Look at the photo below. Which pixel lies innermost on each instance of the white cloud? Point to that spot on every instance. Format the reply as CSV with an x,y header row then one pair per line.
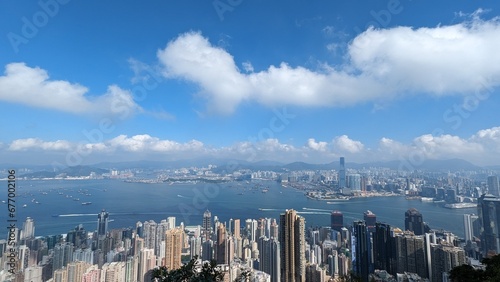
x,y
38,144
317,146
33,87
482,148
441,60
192,57
147,143
383,65
345,144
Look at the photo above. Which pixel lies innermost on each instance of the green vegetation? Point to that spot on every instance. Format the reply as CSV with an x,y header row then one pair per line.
x,y
466,273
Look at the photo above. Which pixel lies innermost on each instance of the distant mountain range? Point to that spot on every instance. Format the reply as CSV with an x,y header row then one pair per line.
x,y
230,165
74,171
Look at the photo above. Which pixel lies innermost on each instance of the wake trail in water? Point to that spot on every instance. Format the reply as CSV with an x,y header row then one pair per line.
x,y
313,212
311,209
77,214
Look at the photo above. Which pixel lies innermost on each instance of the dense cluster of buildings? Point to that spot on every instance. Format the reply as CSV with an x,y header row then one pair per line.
x,y
271,250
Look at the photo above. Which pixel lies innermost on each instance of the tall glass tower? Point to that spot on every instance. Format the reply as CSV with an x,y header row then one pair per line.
x,y
342,180
102,223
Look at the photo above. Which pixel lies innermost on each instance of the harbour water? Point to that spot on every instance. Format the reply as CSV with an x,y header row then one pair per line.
x,y
56,205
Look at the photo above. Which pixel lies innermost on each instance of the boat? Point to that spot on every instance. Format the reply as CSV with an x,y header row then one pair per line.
x,y
426,199
25,205
86,203
461,205
265,190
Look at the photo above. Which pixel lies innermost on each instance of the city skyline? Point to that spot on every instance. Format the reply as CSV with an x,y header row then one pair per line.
x,y
306,82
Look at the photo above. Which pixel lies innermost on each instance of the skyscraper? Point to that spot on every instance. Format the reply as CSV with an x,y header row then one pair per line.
x,y
63,254
102,224
236,232
28,229
173,248
355,182
410,254
444,259
342,180
384,249
221,248
493,185
337,220
361,250
470,221
292,243
488,208
269,257
370,220
414,221
207,224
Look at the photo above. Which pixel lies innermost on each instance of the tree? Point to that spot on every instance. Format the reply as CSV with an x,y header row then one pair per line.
x,y
209,272
466,273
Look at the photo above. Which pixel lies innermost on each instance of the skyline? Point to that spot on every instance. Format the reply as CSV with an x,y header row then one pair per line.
x,y
252,80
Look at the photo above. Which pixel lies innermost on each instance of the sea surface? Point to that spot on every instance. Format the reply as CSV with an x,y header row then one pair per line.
x,y
59,208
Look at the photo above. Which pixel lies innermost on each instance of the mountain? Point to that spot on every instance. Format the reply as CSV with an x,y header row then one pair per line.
x,y
231,165
74,171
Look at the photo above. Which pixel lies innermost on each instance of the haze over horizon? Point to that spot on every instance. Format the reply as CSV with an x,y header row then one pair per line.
x,y
82,83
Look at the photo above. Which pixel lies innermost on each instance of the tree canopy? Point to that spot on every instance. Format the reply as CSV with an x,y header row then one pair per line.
x,y
466,273
209,272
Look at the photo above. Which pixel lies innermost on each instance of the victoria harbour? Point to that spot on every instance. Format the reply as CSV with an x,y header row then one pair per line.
x,y
58,206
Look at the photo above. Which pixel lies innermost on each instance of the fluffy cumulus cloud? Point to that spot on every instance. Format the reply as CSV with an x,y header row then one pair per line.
x,y
147,143
320,146
32,86
383,64
345,144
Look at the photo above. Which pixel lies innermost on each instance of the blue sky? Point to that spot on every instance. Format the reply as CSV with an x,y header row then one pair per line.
x,y
84,82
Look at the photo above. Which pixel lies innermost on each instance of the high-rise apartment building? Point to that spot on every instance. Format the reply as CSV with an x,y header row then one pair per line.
x,y
354,182
28,231
444,259
488,208
471,226
173,248
236,228
384,248
370,220
63,254
361,250
410,254
337,220
221,245
414,221
207,224
269,257
292,243
493,185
